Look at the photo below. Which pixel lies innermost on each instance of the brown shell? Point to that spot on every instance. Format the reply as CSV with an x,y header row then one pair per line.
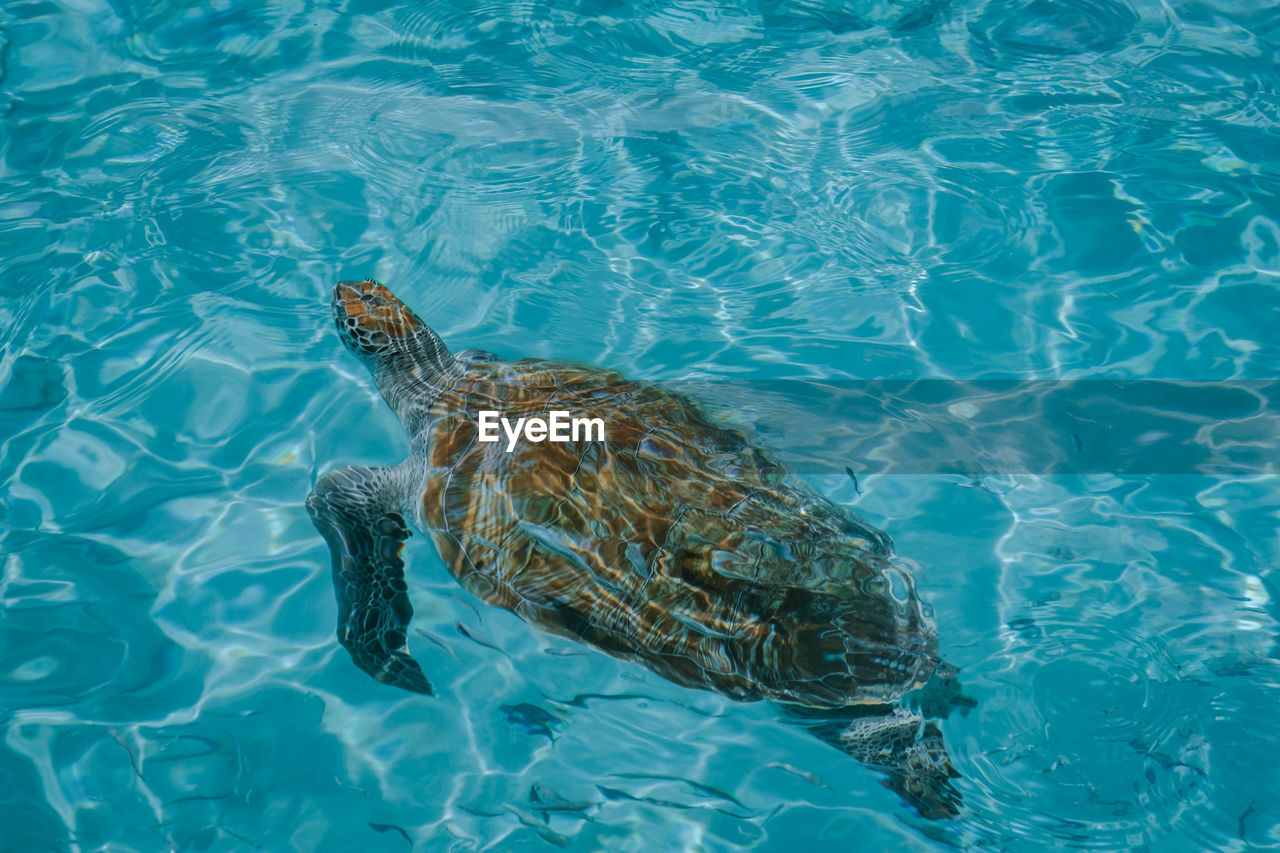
x,y
674,543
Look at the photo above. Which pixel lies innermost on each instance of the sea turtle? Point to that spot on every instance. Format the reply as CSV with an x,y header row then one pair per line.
x,y
673,542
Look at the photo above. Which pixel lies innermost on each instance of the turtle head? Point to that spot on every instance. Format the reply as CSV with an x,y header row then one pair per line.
x,y
408,361
372,322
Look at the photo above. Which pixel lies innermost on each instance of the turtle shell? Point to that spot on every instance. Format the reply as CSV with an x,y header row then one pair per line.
x,y
674,542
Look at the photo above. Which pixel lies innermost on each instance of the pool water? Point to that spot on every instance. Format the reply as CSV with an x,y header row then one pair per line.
x,y
729,195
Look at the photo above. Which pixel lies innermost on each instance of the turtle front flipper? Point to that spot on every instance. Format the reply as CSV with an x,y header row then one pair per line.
x,y
908,749
366,534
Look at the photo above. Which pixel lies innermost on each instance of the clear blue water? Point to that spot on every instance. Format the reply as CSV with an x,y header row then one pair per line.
x,y
1013,189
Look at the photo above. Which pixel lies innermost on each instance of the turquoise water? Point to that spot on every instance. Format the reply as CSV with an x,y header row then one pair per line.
x,y
1029,190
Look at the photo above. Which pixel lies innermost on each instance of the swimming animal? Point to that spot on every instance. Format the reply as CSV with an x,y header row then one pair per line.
x,y
672,542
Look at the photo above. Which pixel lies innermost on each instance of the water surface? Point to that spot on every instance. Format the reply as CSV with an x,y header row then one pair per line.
x,y
842,193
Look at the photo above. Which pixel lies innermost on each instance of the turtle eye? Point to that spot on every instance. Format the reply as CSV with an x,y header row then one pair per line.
x,y
364,342
360,340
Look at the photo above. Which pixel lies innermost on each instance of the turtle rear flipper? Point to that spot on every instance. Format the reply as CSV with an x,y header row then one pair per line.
x,y
366,534
909,750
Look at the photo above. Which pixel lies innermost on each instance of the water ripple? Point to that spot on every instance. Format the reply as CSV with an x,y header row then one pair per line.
x,y
793,189
1094,716
1044,30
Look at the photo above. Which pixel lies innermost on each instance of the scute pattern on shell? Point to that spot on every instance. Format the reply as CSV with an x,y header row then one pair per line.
x,y
674,542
